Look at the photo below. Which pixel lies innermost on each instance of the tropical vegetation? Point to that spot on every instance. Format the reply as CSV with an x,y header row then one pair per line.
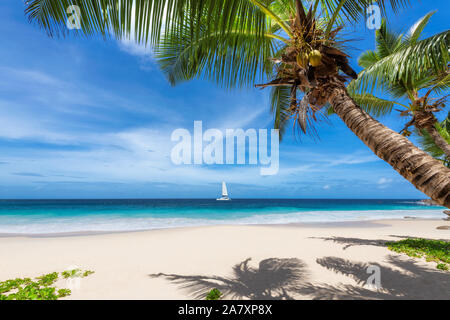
x,y
40,288
433,250
429,145
214,294
424,88
239,42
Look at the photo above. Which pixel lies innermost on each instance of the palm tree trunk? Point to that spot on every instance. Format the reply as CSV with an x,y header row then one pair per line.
x,y
426,173
439,140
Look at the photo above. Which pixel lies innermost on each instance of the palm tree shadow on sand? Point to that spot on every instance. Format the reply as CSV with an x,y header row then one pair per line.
x,y
273,279
403,279
286,279
352,242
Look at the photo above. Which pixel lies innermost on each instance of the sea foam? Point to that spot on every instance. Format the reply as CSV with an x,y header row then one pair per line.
x,y
38,224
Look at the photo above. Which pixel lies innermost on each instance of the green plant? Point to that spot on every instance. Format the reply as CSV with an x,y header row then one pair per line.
x,y
424,88
71,273
442,266
214,294
88,273
432,250
429,145
64,293
27,289
41,288
48,280
76,273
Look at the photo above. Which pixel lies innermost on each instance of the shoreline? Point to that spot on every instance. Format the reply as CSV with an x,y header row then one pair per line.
x,y
329,224
80,217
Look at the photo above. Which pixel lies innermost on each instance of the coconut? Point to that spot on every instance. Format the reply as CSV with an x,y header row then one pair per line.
x,y
302,60
315,58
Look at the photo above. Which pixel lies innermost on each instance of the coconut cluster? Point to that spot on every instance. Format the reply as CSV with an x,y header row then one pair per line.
x,y
311,63
314,58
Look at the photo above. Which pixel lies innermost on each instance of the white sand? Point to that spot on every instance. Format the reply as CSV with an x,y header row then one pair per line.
x,y
289,261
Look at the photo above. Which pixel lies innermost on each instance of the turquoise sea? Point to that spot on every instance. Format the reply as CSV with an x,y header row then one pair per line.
x,y
60,216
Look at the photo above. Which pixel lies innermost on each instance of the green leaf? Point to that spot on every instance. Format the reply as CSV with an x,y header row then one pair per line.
x,y
373,105
408,64
279,105
233,59
416,30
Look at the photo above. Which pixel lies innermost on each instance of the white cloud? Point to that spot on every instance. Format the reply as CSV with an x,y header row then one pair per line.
x,y
327,187
30,76
355,158
142,52
384,183
132,47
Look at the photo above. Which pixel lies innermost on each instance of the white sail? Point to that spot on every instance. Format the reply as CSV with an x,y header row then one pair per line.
x,y
224,193
224,190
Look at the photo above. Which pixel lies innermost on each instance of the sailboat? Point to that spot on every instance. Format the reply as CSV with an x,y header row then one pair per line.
x,y
224,193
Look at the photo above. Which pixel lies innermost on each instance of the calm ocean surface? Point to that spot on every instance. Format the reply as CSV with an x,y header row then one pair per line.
x,y
58,216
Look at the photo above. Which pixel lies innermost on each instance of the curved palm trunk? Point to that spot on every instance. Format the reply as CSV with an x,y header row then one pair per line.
x,y
439,140
426,173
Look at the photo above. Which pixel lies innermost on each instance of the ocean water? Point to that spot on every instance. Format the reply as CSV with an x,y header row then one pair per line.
x,y
61,216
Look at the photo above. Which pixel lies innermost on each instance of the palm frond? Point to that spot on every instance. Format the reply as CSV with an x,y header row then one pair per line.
x,y
388,42
437,85
416,30
373,105
355,10
144,19
280,99
368,59
428,145
147,19
408,64
232,59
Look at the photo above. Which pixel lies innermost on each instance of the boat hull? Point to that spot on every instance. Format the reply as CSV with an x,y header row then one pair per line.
x,y
224,199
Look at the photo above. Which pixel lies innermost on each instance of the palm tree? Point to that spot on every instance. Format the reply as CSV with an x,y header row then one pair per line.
x,y
421,108
429,145
237,42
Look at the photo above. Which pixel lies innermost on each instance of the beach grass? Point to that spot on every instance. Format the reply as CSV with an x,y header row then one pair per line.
x,y
40,288
432,250
214,294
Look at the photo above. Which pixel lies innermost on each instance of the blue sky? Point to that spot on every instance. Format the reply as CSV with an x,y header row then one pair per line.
x,y
93,119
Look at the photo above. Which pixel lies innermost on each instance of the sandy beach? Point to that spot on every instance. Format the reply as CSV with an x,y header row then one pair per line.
x,y
316,261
